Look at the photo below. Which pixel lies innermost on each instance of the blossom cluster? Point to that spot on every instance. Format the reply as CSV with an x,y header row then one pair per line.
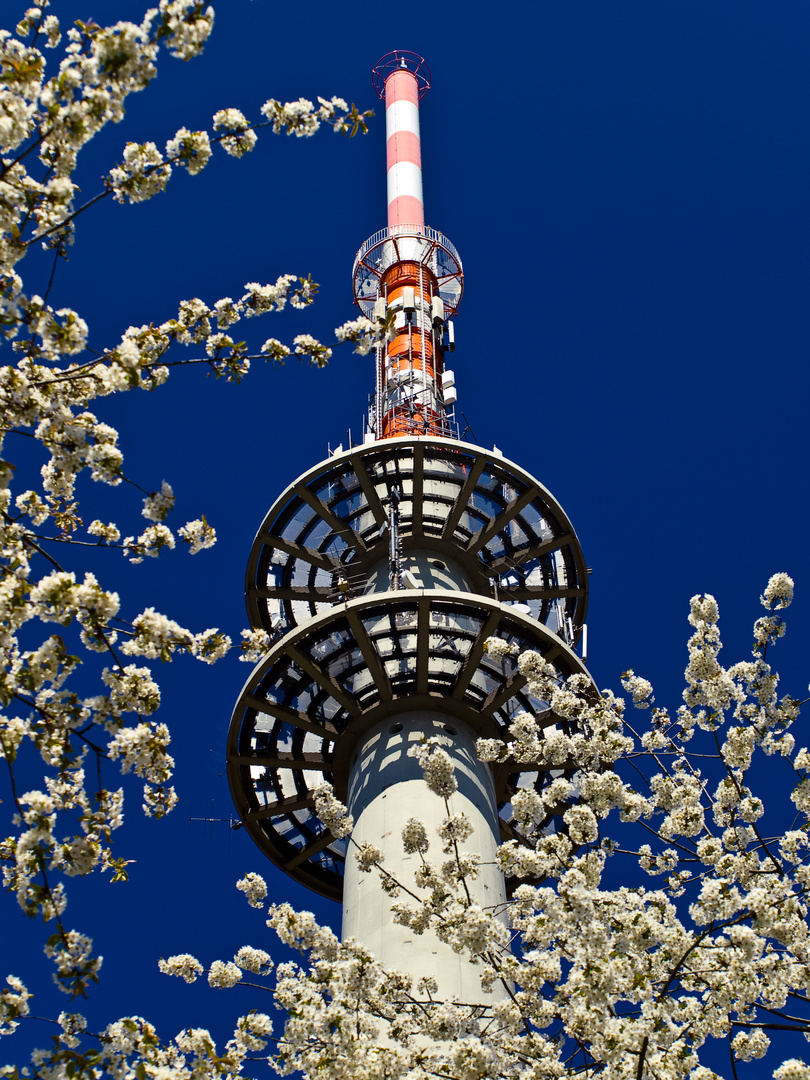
x,y
366,334
615,981
302,119
78,687
331,811
146,172
609,980
436,765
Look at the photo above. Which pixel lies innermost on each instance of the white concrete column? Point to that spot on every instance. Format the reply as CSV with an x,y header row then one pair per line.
x,y
386,788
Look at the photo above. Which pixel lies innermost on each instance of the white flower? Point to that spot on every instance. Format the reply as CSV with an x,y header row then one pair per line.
x,y
189,26
254,887
198,534
142,175
72,953
13,1004
109,533
454,829
499,649
582,824
704,609
143,749
255,644
750,1044
260,299
63,332
157,505
132,690
72,1025
154,539
276,350
224,974
436,766
156,637
414,836
363,331
792,1069
640,689
210,646
189,148
331,811
50,26
184,965
368,856
255,960
778,592
30,503
768,629
240,138
298,117
227,313
527,807
307,345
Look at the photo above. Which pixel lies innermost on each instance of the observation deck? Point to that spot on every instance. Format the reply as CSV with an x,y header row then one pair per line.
x,y
469,518
310,702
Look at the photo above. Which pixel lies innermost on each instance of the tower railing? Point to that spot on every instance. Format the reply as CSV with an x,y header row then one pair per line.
x,y
407,243
408,230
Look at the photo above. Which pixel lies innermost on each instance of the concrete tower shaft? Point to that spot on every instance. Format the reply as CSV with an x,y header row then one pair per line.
x,y
386,791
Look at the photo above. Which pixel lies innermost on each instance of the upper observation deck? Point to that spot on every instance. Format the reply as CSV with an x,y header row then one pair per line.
x,y
465,514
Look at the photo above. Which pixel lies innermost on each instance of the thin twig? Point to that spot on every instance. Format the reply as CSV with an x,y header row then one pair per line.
x,y
642,1054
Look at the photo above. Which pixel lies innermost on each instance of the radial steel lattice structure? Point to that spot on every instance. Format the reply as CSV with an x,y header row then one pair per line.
x,y
379,575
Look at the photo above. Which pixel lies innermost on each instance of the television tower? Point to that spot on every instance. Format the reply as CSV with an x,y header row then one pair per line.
x,y
379,574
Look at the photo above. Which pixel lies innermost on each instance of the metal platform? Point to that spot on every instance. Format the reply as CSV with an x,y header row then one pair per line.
x,y
403,244
304,708
323,538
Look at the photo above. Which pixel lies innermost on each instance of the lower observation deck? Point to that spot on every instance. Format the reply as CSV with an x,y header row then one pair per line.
x,y
318,692
325,538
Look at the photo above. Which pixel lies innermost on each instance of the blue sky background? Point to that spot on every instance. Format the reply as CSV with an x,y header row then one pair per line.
x,y
626,183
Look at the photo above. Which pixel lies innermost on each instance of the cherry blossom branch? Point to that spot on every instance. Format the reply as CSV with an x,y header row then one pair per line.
x,y
751,824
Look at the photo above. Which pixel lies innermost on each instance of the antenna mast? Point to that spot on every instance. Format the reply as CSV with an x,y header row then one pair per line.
x,y
408,275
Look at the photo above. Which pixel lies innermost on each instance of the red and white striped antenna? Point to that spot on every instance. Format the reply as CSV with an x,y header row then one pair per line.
x,y
408,275
402,79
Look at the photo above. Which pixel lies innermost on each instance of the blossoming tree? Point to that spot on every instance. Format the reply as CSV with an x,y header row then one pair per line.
x,y
83,724
665,920
588,975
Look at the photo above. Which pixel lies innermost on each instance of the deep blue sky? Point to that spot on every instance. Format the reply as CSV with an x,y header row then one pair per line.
x,y
627,185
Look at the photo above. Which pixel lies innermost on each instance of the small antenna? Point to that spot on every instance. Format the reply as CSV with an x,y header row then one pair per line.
x,y
468,428
232,822
395,541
